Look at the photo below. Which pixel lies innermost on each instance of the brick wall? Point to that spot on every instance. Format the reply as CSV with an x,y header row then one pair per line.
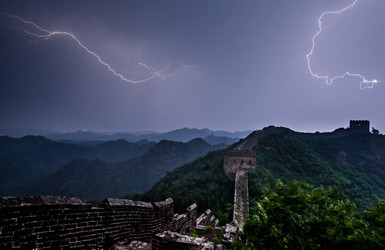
x,y
62,222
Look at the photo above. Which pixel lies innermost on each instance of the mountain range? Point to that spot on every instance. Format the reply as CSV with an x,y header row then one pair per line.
x,y
37,165
353,162
24,160
183,135
97,179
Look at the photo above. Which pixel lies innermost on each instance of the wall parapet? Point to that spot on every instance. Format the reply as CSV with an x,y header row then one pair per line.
x,y
172,240
240,153
67,222
49,200
113,202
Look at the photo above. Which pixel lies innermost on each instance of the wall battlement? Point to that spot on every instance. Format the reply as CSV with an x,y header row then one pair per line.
x,y
63,222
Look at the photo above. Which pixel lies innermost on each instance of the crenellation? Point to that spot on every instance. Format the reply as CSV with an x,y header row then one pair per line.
x,y
36,222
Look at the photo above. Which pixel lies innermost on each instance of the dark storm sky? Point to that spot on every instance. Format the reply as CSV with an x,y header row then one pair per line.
x,y
247,65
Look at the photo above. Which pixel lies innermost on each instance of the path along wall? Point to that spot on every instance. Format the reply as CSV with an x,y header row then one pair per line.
x,y
62,222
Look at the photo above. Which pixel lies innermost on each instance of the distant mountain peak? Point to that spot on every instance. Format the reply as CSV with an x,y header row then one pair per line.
x,y
197,141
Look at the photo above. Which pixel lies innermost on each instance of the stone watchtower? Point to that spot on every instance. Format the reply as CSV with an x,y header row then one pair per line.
x,y
235,160
359,126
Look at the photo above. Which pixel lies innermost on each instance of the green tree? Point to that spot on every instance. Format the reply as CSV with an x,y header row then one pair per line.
x,y
376,219
295,216
375,131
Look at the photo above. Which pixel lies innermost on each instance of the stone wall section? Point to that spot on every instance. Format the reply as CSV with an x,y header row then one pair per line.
x,y
62,222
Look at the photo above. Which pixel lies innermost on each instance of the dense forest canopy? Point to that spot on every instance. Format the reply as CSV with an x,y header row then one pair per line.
x,y
352,162
296,216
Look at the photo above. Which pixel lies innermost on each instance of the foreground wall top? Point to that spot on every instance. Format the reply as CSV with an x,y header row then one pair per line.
x,y
12,201
49,200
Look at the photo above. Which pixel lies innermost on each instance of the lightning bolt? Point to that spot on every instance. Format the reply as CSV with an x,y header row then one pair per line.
x,y
365,83
46,35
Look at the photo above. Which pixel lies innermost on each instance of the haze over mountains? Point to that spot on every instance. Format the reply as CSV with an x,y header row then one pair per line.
x,y
31,157
83,164
183,135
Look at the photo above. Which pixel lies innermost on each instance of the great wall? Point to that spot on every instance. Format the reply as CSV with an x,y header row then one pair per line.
x,y
237,162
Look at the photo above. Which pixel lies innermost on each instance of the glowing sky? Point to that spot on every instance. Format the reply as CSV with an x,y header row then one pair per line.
x,y
246,60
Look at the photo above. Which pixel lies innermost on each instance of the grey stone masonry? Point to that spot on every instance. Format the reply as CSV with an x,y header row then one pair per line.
x,y
183,223
231,232
13,201
241,207
64,222
206,219
133,245
175,241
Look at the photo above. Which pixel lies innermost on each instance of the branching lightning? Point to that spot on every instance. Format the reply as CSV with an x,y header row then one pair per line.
x,y
365,83
46,34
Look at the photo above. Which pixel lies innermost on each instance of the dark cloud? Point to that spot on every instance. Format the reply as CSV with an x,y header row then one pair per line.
x,y
248,66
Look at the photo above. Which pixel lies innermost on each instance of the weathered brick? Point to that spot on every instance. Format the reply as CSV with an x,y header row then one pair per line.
x,y
56,224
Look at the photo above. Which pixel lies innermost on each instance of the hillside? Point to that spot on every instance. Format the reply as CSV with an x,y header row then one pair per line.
x,y
353,162
31,157
26,159
98,179
120,150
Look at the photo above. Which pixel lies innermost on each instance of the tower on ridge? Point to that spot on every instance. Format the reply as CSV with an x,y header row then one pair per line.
x,y
359,126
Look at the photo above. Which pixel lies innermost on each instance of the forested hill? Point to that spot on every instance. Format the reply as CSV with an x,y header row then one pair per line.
x,y
353,162
98,179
